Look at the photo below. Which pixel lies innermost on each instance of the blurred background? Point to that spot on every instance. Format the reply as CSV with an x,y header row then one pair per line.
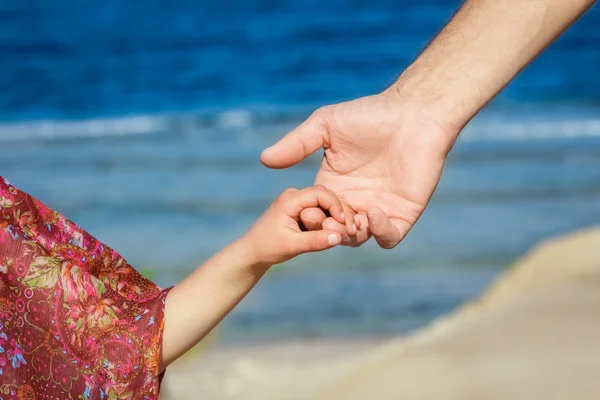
x,y
143,122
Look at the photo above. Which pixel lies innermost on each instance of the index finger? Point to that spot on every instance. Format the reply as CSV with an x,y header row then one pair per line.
x,y
317,196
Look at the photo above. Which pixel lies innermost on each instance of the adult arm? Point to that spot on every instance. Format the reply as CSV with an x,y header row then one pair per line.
x,y
485,45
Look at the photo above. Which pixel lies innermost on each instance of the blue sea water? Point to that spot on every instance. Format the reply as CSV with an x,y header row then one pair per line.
x,y
143,121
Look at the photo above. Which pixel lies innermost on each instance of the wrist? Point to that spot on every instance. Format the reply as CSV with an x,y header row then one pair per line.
x,y
433,100
421,116
251,259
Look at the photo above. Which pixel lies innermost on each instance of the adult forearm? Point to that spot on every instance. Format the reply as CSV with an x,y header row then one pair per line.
x,y
481,49
195,306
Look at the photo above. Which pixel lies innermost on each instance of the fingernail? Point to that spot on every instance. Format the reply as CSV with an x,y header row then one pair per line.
x,y
333,239
343,216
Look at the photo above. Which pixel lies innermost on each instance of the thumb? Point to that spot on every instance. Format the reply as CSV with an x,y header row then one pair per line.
x,y
298,144
309,242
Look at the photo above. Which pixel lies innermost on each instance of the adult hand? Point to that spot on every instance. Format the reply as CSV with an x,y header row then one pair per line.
x,y
384,153
382,156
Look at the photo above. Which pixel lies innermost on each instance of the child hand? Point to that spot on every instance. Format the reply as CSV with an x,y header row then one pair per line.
x,y
277,236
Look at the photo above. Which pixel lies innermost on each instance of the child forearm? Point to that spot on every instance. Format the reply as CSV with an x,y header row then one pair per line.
x,y
195,306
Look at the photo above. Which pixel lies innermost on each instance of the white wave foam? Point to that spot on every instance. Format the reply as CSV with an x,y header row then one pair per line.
x,y
235,119
532,130
124,126
96,127
480,130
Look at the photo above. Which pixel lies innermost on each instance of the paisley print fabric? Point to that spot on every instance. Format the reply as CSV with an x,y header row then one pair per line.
x,y
76,320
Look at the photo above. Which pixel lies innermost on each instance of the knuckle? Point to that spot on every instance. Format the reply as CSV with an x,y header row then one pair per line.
x,y
287,193
323,114
320,113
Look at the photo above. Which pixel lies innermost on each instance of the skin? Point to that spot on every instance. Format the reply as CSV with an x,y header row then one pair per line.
x,y
223,281
383,157
384,154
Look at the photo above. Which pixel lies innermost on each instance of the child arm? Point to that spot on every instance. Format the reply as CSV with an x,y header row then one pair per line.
x,y
195,306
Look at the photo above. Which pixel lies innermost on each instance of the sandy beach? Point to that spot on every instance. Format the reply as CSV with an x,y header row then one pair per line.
x,y
534,334
229,372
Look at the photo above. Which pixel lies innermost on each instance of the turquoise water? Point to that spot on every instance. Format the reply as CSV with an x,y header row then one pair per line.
x,y
146,128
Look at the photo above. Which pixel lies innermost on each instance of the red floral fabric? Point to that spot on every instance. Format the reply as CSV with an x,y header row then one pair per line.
x,y
76,320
